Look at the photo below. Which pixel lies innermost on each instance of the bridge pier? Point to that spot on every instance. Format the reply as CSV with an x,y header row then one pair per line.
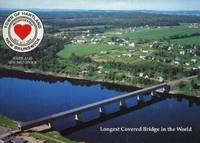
x,y
152,93
166,89
50,125
122,103
102,110
77,117
140,98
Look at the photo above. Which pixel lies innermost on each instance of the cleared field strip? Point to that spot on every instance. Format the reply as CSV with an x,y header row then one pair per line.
x,y
187,41
85,49
158,33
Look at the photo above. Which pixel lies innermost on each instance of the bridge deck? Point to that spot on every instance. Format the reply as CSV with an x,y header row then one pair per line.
x,y
48,119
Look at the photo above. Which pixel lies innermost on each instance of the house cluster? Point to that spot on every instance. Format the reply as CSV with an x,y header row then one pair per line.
x,y
88,38
153,44
99,69
121,42
183,51
142,57
126,55
194,25
191,63
129,29
146,76
188,51
132,29
62,35
145,51
116,33
142,75
119,56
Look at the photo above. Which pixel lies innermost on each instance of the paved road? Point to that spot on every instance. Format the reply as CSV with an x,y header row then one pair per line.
x,y
3,130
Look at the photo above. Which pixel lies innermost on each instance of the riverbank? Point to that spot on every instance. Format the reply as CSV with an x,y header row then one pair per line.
x,y
53,77
49,137
6,125
9,125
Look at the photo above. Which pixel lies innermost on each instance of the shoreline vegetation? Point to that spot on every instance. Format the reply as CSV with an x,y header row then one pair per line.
x,y
188,86
7,125
5,122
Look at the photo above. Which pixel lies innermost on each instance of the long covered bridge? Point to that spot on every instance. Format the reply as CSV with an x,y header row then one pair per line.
x,y
165,88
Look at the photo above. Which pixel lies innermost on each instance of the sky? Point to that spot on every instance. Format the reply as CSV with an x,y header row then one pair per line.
x,y
160,5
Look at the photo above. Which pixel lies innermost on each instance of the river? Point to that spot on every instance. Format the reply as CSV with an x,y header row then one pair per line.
x,y
25,97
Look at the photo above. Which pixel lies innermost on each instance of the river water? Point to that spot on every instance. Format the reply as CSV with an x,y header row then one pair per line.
x,y
27,97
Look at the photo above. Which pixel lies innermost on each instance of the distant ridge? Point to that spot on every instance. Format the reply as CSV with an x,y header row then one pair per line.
x,y
184,12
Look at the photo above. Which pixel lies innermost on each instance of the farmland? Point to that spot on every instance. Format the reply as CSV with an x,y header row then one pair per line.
x,y
190,87
155,33
84,50
130,49
187,41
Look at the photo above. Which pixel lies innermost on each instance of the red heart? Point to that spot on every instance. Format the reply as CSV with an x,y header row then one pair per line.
x,y
22,31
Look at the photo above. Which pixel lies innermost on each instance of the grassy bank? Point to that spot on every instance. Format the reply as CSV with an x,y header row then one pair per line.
x,y
50,137
7,123
190,87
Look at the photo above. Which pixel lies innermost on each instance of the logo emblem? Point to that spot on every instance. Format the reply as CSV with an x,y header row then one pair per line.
x,y
23,31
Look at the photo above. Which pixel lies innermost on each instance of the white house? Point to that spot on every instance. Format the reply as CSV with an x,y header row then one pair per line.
x,y
141,74
100,67
194,60
169,48
182,52
145,51
187,64
103,52
132,44
111,43
99,72
142,57
81,41
161,79
177,62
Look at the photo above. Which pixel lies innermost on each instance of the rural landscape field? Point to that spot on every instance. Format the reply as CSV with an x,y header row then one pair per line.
x,y
129,48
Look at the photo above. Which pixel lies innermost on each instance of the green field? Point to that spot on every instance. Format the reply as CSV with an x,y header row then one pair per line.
x,y
7,123
83,27
191,88
158,33
187,41
84,50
